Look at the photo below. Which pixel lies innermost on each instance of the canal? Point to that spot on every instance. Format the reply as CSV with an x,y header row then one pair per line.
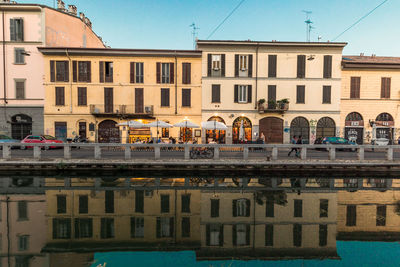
x,y
98,222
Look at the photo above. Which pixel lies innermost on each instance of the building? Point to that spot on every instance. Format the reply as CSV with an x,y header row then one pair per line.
x,y
278,89
90,91
370,98
24,28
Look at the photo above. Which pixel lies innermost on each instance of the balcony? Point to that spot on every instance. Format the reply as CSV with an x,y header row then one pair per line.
x,y
273,107
122,111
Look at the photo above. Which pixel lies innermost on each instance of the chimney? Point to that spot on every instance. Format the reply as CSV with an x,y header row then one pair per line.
x,y
88,22
373,55
361,54
82,16
60,5
72,10
4,1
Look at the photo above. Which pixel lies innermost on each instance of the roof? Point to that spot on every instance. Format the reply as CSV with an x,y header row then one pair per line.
x,y
271,43
371,62
75,51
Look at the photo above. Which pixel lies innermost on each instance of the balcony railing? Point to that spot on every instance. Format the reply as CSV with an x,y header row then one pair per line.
x,y
118,110
273,107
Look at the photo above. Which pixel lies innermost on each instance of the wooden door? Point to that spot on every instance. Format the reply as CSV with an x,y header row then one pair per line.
x,y
139,100
272,128
108,132
108,100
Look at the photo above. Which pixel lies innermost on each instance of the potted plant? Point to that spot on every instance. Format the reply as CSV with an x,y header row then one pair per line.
x,y
261,104
283,103
271,104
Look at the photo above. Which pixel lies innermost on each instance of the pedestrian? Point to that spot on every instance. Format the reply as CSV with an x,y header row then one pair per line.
x,y
398,140
299,142
293,141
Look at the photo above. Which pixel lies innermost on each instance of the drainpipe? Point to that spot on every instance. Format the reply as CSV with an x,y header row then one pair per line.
x,y
256,100
176,85
70,80
4,69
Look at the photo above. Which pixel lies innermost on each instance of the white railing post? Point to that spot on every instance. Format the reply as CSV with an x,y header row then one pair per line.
x,y
216,152
246,153
36,152
303,153
67,152
274,153
361,153
97,151
127,152
332,153
187,152
157,152
389,153
6,152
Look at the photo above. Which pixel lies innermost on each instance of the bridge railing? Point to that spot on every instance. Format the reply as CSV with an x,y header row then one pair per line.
x,y
194,151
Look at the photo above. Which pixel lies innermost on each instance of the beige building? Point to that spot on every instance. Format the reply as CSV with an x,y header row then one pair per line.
x,y
370,98
90,91
278,89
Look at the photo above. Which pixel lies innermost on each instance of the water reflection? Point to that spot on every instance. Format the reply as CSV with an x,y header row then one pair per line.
x,y
46,222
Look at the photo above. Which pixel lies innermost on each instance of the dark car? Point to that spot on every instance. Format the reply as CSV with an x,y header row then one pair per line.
x,y
6,139
339,141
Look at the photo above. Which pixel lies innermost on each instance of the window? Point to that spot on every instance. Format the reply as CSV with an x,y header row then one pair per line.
x,y
269,207
242,63
326,94
242,93
23,242
186,73
298,208
165,72
59,71
297,235
20,89
301,66
164,132
139,201
185,203
83,228
164,203
109,201
61,204
216,62
107,228
216,93
22,261
61,228
355,87
106,70
165,97
83,204
139,72
214,234
214,208
300,98
17,30
327,66
22,210
385,87
351,215
186,97
381,215
323,208
81,71
19,56
241,207
269,235
241,234
82,96
165,227
272,66
271,96
60,97
216,65
185,227
137,227
323,235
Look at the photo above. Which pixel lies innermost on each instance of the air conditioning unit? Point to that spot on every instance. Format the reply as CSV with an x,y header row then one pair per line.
x,y
148,109
243,69
216,69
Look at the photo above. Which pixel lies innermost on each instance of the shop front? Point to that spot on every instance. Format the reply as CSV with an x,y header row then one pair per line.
x,y
354,128
245,123
217,135
385,127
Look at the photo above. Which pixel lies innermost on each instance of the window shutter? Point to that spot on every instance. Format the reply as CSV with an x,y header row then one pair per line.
x,y
209,62
221,235
223,65
171,72
158,72
21,37
383,89
89,71
133,226
388,82
13,36
158,227
272,93
301,66
234,208
214,208
132,73
215,94
236,65
74,71
249,91
186,73
66,71
111,72
55,228
52,71
300,94
189,73
208,233
234,235
327,66
247,207
139,201
355,87
171,227
326,94
247,234
272,66
101,71
236,93
250,71
186,98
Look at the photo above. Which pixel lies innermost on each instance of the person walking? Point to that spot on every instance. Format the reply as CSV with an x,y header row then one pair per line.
x,y
293,141
299,142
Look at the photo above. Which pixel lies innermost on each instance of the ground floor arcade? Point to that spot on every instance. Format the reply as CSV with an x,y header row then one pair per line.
x,y
19,121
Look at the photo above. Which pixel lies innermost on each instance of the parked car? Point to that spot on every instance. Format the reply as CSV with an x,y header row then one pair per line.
x,y
6,139
44,139
339,141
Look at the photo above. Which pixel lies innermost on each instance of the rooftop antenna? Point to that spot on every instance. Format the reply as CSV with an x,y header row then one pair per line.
x,y
308,24
194,33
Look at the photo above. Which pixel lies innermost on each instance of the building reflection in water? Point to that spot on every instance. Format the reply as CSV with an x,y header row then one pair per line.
x,y
45,222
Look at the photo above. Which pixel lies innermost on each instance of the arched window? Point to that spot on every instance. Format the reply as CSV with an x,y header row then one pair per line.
x,y
300,126
354,116
247,130
326,127
384,117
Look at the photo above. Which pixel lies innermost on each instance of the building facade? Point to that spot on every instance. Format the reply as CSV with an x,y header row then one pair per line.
x,y
90,91
275,89
370,98
24,28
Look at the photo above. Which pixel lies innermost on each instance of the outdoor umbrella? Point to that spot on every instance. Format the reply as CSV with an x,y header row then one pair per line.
x,y
213,125
132,124
157,124
241,131
186,124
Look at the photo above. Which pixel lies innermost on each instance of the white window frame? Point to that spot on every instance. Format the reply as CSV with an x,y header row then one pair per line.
x,y
241,207
139,226
22,81
214,235
216,62
243,62
165,230
165,73
241,235
23,242
242,94
139,72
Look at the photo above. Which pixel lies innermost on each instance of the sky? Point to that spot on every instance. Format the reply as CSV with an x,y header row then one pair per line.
x,y
164,24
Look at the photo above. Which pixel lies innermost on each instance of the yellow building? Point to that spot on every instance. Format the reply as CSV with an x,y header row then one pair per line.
x,y
370,97
90,91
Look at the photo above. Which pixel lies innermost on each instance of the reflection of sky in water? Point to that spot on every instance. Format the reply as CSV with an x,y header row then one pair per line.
x,y
352,254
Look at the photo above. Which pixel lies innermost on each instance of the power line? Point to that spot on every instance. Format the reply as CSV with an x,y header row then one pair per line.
x,y
363,17
227,17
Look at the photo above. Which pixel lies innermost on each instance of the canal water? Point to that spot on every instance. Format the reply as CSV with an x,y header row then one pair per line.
x,y
110,222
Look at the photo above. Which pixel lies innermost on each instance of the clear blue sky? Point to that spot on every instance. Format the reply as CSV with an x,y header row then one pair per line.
x,y
165,23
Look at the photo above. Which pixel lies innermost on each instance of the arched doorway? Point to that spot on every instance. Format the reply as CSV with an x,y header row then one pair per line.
x,y
272,128
326,127
247,127
300,126
21,126
384,126
218,135
108,132
354,128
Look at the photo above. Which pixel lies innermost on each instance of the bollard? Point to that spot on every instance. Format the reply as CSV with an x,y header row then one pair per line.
x,y
127,152
245,152
274,153
37,152
332,153
97,152
303,153
67,152
157,152
6,152
361,153
389,153
216,152
187,152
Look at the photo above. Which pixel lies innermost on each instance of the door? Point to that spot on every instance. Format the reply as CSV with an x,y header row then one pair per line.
x,y
60,130
272,128
108,132
82,129
108,100
139,100
21,126
355,134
